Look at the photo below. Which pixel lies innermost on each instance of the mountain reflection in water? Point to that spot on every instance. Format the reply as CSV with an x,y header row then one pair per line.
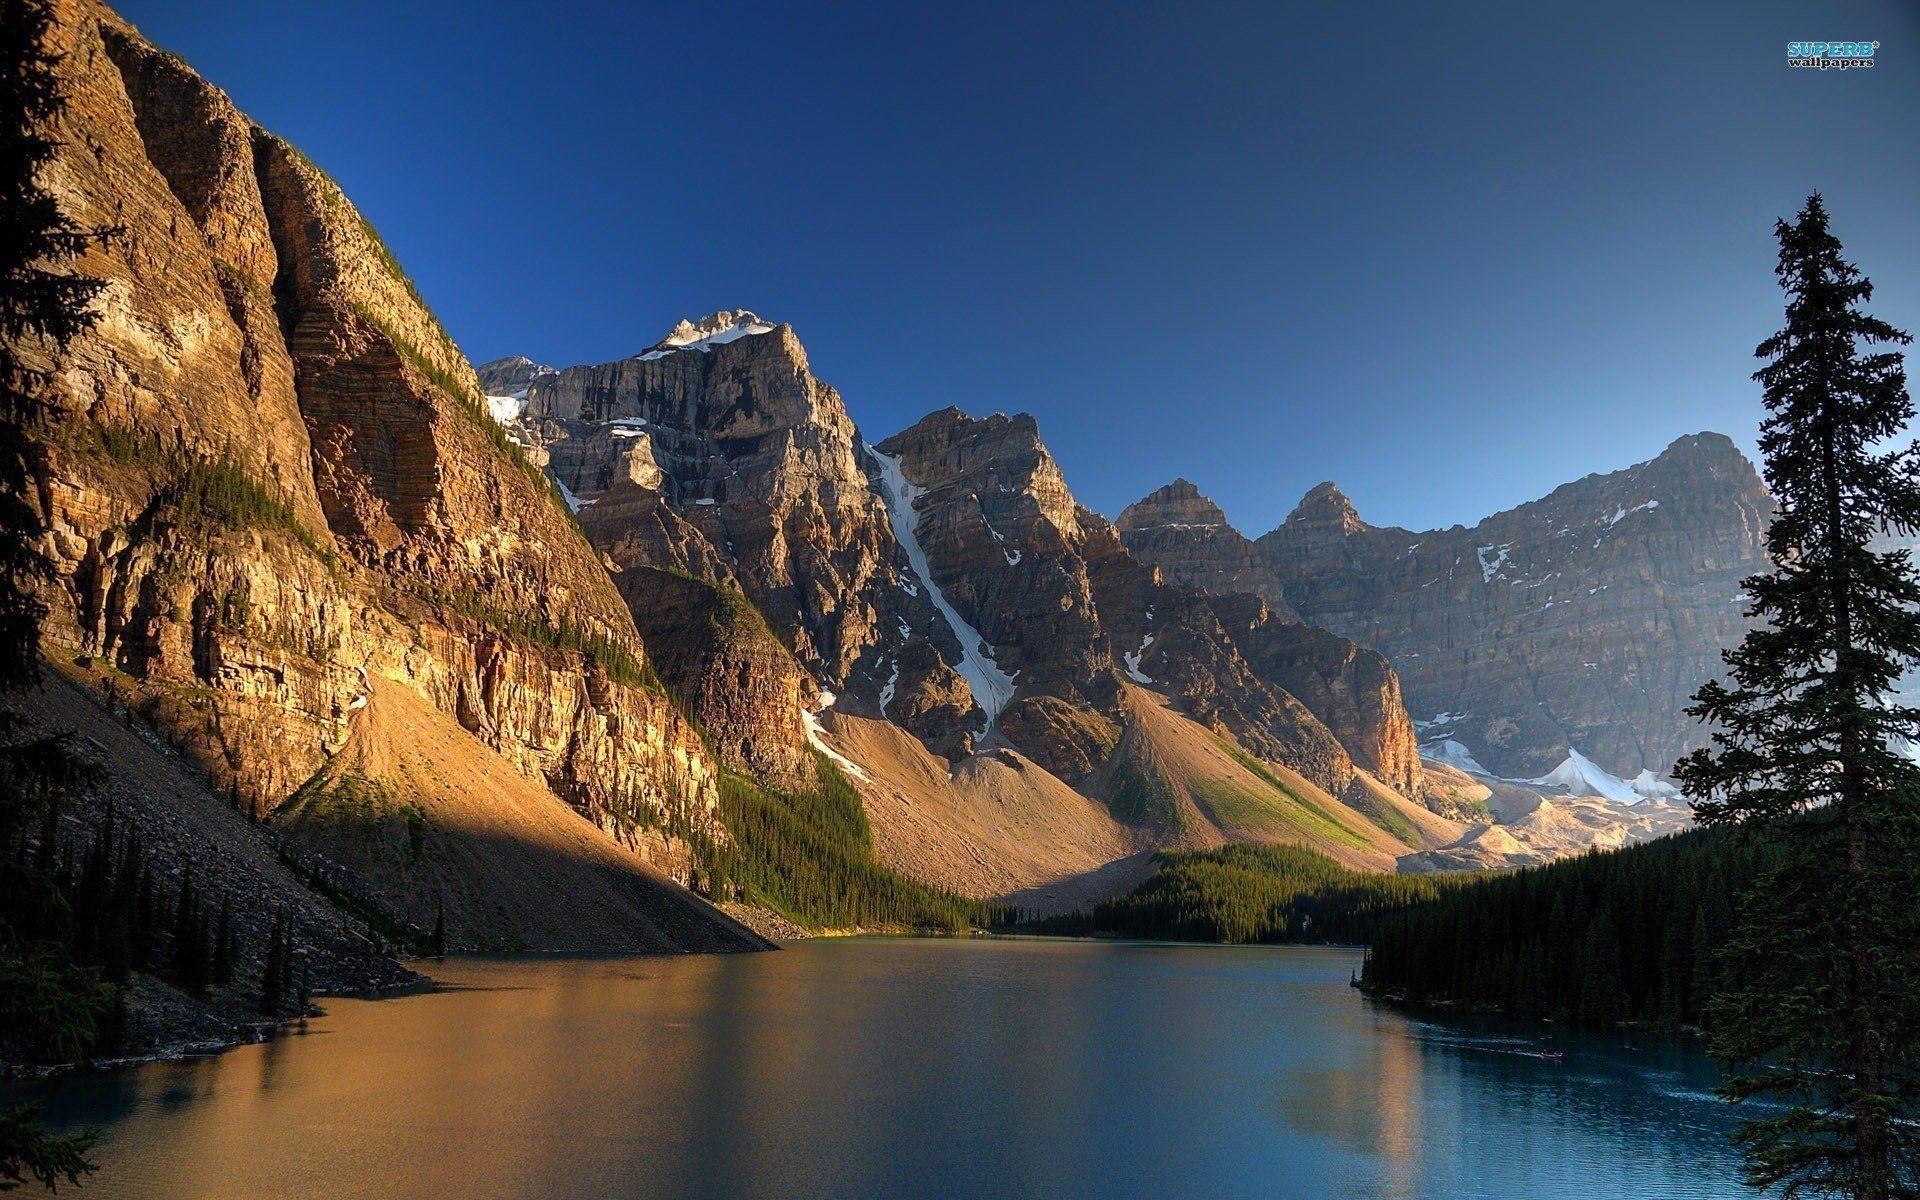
x,y
909,1068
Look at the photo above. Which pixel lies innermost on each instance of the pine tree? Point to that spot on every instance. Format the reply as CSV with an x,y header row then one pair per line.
x,y
273,975
439,947
1817,1011
42,306
223,945
190,958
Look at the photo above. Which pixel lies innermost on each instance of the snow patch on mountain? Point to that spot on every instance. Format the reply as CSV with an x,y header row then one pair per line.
x,y
1653,787
1133,660
1578,774
992,688
507,408
817,738
703,335
1453,754
1622,514
1491,562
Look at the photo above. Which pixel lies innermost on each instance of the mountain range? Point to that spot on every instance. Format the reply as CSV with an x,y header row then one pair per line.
x,y
547,654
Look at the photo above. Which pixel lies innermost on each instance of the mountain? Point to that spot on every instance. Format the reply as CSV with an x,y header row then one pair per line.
x,y
943,583
1571,629
293,545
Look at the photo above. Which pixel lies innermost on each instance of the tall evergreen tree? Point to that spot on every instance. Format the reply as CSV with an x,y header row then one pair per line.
x,y
223,948
1819,1007
41,306
274,979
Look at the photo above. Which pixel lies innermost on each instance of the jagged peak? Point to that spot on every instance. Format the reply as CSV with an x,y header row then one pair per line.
x,y
1326,505
1703,445
952,423
512,367
714,329
509,362
1179,504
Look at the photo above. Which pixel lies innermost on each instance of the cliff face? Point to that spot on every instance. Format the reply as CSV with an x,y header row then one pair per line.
x,y
1582,621
1350,688
274,483
1188,538
944,580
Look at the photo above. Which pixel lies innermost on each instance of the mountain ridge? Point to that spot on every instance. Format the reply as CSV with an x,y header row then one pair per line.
x,y
1678,578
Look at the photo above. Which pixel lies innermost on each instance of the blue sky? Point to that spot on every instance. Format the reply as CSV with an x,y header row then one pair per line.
x,y
1449,255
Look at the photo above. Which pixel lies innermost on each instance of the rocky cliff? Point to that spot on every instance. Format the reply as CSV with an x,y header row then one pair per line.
x,y
1581,622
718,455
277,495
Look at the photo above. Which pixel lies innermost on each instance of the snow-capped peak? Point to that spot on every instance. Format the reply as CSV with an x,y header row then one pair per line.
x,y
715,329
1581,776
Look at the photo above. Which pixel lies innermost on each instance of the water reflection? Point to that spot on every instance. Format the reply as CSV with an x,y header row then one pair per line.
x,y
901,1068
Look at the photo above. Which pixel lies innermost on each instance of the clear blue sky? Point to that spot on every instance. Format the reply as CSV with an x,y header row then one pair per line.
x,y
1449,255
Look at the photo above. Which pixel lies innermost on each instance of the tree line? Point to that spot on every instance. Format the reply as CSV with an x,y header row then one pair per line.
x,y
1611,936
1790,930
1250,893
808,854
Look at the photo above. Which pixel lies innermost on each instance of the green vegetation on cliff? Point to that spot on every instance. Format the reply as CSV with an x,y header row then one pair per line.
x,y
197,492
468,401
621,664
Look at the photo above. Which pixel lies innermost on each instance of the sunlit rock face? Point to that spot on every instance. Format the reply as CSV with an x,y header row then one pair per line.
x,y
1069,612
940,578
352,511
718,455
1583,621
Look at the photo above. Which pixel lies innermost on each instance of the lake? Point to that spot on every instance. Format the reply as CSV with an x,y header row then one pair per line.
x,y
908,1068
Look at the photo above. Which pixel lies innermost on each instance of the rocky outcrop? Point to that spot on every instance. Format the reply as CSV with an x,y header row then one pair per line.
x,y
510,378
1348,687
275,480
1583,621
715,651
1188,538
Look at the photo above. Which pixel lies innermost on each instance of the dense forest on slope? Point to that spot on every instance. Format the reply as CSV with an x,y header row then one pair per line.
x,y
809,856
1621,935
1253,893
